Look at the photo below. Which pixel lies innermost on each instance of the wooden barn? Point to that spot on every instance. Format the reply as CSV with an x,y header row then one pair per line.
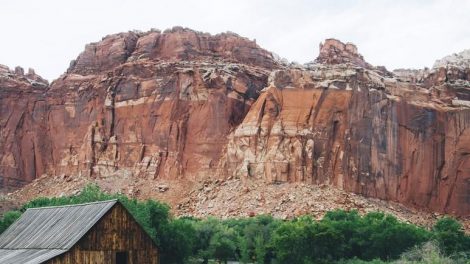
x,y
92,233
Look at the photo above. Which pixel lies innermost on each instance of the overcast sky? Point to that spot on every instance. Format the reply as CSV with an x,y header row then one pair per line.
x,y
47,34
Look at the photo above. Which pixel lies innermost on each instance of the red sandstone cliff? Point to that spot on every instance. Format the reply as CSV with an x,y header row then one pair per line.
x,y
154,105
345,123
186,105
22,127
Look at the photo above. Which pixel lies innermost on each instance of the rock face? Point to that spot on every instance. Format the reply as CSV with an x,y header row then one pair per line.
x,y
185,105
22,127
155,105
343,124
334,51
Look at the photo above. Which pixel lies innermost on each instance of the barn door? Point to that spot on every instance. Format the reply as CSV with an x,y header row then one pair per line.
x,y
122,257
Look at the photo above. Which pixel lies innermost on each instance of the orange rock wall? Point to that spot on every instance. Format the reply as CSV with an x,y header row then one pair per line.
x,y
368,141
23,137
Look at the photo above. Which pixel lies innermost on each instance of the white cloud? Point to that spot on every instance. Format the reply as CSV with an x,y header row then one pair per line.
x,y
47,34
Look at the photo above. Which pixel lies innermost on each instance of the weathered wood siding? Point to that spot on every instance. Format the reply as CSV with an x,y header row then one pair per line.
x,y
117,231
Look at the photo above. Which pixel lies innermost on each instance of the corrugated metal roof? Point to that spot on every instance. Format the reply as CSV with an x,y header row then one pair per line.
x,y
28,256
57,227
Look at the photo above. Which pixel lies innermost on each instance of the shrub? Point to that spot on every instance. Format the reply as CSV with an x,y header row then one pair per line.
x,y
428,253
8,219
340,237
450,236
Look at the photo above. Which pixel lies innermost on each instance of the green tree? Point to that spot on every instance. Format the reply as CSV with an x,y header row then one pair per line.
x,y
152,215
291,241
260,249
222,244
90,193
450,236
245,254
383,236
326,241
205,230
177,241
8,219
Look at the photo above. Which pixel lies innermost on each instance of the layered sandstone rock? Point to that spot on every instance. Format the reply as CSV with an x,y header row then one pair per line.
x,y
362,131
176,44
153,105
184,106
333,51
22,127
167,120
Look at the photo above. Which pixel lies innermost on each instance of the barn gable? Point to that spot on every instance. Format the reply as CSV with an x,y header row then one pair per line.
x,y
84,233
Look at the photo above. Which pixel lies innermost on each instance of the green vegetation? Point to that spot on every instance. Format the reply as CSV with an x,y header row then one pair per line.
x,y
8,219
427,253
340,237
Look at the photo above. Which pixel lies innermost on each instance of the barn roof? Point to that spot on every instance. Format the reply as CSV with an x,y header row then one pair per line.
x,y
43,233
28,256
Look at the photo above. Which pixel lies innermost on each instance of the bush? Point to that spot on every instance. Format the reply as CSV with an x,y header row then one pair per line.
x,y
428,253
292,241
178,239
384,237
450,236
346,235
8,219
340,237
90,193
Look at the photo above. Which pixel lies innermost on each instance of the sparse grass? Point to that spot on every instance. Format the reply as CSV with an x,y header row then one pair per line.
x,y
429,253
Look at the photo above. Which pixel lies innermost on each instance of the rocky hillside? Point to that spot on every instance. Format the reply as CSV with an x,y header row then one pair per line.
x,y
159,114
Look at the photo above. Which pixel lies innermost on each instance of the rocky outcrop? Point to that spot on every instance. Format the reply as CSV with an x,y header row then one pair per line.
x,y
176,44
185,106
333,51
167,120
22,123
459,60
357,129
152,105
